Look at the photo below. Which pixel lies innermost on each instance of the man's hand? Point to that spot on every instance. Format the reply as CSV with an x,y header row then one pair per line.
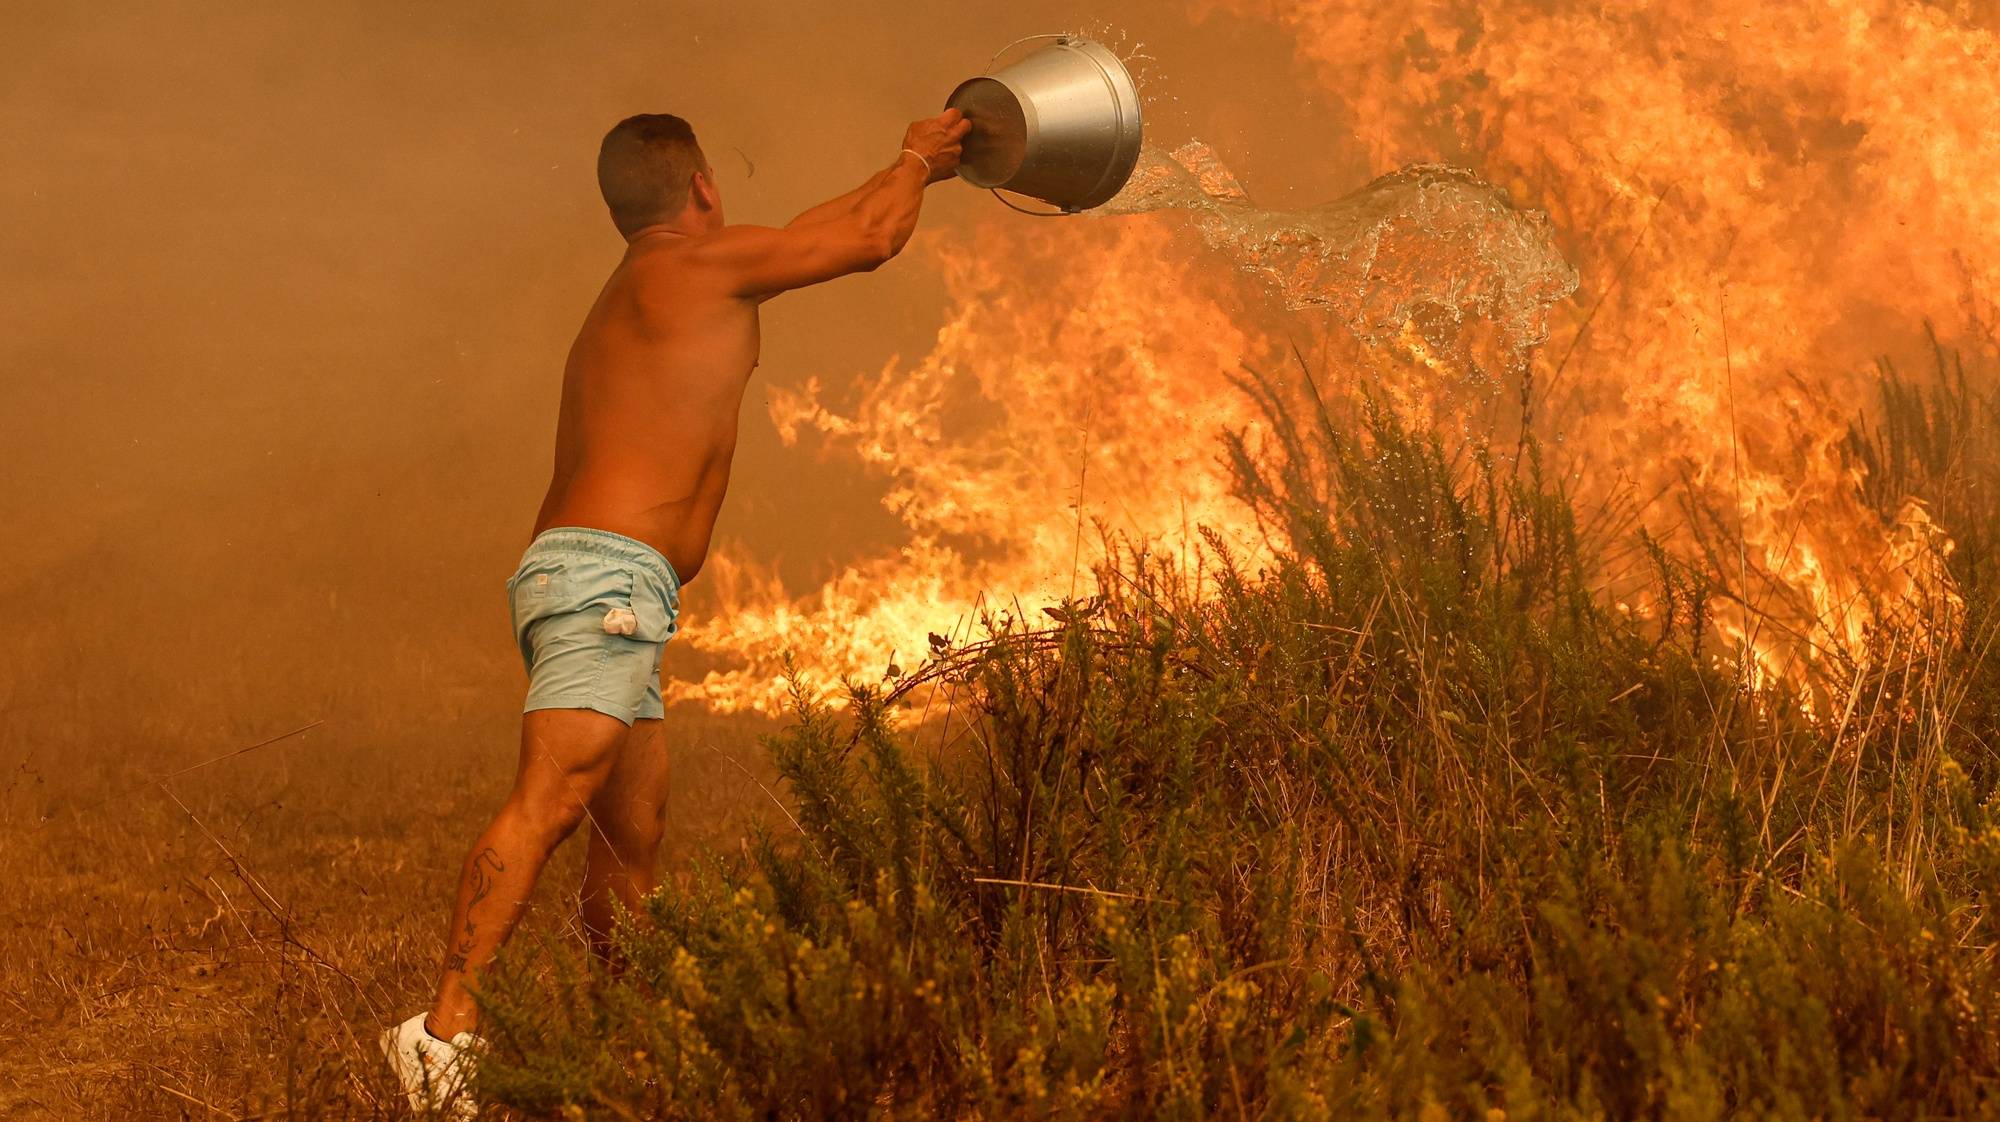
x,y
938,140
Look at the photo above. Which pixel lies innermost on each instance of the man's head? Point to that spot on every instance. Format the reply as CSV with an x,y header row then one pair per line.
x,y
652,172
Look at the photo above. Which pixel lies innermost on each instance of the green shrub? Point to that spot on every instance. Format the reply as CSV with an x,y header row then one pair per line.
x,y
1407,822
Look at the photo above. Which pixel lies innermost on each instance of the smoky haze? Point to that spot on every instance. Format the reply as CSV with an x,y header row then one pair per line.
x,y
289,290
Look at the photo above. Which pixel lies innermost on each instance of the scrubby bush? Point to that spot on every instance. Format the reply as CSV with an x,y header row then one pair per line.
x,y
1405,822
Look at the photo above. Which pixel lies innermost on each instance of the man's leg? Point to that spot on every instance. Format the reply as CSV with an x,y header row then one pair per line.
x,y
628,818
567,755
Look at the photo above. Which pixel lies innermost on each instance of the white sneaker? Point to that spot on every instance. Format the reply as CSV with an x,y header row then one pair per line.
x,y
432,1071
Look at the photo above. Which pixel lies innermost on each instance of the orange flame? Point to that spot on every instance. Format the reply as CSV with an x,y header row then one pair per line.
x,y
1082,365
1759,200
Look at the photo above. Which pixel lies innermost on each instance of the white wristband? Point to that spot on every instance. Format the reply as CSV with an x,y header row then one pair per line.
x,y
921,160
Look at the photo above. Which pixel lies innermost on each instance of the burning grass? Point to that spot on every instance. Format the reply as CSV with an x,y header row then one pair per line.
x,y
1411,821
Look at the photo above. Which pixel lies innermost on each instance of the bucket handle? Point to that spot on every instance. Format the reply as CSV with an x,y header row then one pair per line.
x,y
1021,40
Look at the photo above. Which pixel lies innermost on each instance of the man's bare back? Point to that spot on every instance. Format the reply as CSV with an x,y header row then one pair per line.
x,y
650,401
655,380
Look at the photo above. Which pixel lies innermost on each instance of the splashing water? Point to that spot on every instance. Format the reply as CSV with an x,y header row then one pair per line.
x,y
1430,247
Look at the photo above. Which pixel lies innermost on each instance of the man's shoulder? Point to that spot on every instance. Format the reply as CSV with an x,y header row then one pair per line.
x,y
709,263
664,266
688,259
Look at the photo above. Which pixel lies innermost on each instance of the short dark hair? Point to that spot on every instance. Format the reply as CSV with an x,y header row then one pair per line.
x,y
643,168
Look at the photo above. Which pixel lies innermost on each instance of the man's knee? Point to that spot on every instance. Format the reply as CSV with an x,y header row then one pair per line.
x,y
636,830
552,814
631,823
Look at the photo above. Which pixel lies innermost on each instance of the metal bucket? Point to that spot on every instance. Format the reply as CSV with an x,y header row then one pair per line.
x,y
1061,124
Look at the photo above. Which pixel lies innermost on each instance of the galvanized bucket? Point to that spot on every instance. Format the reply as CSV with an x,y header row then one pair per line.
x,y
1060,124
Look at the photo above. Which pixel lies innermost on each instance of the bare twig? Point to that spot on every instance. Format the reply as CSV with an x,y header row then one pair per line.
x,y
206,1105
269,902
1063,888
161,780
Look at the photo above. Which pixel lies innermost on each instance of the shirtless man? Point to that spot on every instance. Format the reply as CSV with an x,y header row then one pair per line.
x,y
643,445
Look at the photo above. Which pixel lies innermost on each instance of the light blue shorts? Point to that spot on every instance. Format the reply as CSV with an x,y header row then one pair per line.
x,y
592,611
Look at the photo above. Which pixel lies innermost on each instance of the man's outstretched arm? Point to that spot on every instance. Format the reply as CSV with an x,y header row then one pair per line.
x,y
842,205
853,233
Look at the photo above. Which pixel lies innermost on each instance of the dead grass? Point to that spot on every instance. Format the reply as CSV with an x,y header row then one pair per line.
x,y
226,946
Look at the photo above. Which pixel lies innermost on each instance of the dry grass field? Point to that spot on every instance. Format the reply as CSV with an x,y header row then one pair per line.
x,y
222,946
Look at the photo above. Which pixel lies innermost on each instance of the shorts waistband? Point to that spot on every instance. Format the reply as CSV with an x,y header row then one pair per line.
x,y
604,543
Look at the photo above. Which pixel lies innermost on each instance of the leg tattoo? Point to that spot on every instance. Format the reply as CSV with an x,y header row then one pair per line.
x,y
483,867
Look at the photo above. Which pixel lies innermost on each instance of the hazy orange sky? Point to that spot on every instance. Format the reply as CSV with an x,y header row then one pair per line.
x,y
290,287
